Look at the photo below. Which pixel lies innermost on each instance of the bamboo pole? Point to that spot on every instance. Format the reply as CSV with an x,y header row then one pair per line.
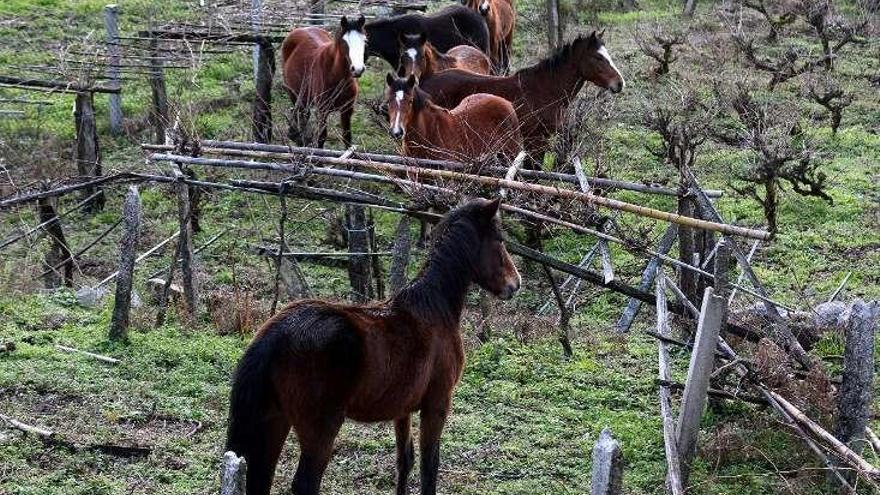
x,y
585,198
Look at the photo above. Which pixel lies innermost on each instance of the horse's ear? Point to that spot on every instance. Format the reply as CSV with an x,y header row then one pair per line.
x,y
344,23
601,33
360,22
491,208
411,81
389,79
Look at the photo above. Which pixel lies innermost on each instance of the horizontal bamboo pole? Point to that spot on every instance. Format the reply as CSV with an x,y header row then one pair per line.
x,y
496,182
236,148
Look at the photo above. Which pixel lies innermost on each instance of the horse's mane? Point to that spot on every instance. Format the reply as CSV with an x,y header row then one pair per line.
x,y
561,55
454,249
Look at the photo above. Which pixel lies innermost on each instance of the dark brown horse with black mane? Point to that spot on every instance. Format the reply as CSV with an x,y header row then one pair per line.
x,y
316,363
541,93
455,25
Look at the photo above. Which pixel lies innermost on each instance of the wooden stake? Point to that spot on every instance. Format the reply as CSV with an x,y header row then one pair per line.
x,y
187,267
131,215
262,118
670,443
159,113
633,305
111,23
400,259
88,156
59,253
607,476
233,473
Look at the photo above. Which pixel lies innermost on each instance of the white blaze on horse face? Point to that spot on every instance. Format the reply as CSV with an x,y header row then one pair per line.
x,y
411,53
604,52
484,6
395,128
357,44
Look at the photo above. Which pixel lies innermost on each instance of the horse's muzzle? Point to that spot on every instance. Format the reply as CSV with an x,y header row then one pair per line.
x,y
357,72
396,133
616,87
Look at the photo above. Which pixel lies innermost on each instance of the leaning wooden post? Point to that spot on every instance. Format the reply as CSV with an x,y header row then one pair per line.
x,y
633,305
88,156
233,473
131,217
185,242
670,443
696,389
607,466
59,254
857,389
262,118
159,112
687,280
111,23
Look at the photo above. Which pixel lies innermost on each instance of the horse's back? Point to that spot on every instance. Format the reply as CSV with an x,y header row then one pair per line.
x,y
457,25
470,59
299,41
450,87
490,122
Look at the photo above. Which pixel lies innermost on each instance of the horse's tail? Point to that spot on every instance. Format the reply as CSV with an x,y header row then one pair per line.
x,y
257,428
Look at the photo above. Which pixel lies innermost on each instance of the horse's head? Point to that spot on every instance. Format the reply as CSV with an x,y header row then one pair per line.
x,y
399,96
494,269
483,8
352,35
595,64
412,54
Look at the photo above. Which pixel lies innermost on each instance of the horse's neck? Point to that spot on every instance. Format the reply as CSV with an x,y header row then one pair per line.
x,y
430,119
436,60
437,294
550,86
332,59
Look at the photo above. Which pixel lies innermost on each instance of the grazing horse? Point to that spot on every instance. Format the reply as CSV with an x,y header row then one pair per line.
x,y
540,93
501,20
316,363
480,125
419,57
455,25
320,73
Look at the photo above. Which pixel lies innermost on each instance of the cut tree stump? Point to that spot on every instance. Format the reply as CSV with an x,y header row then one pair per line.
x,y
607,466
233,474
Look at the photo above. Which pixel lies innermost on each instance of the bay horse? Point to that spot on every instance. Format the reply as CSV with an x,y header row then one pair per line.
x,y
320,72
455,25
316,363
482,124
541,93
419,57
501,20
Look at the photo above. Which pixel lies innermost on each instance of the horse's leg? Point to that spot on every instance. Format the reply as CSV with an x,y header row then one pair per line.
x,y
321,130
405,452
316,447
432,420
262,455
345,122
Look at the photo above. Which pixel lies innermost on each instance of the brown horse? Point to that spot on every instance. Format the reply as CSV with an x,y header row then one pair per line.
x,y
418,56
316,363
319,73
481,125
541,93
501,20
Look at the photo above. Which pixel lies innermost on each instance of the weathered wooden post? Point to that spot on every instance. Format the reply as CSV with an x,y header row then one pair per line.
x,y
400,258
375,260
111,23
670,443
233,473
262,117
59,254
607,466
186,247
857,389
256,26
88,155
697,386
159,112
554,28
633,305
687,280
131,215
359,247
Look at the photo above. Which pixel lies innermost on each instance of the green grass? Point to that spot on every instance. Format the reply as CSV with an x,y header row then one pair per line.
x,y
524,419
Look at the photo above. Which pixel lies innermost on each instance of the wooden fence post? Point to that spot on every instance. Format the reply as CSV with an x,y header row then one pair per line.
x,y
131,215
696,389
633,305
857,388
111,23
400,258
256,25
607,466
88,155
59,254
233,473
262,118
687,280
186,245
554,29
359,245
159,113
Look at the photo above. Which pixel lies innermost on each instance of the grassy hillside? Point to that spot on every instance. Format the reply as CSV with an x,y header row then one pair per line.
x,y
524,419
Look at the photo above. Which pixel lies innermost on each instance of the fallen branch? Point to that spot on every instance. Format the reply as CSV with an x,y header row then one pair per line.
x,y
99,357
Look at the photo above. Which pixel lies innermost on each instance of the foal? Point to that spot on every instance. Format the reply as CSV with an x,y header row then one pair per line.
x,y
419,57
501,20
541,93
320,72
482,124
316,363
